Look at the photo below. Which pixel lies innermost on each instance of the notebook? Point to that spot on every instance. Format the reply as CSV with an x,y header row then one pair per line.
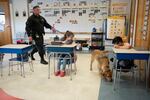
x,y
56,43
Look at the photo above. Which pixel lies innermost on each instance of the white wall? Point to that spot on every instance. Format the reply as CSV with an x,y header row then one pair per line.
x,y
123,1
18,23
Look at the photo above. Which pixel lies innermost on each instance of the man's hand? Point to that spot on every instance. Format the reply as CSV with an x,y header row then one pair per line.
x,y
30,38
53,30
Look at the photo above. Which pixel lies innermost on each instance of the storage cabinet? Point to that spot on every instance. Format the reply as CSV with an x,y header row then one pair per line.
x,y
97,41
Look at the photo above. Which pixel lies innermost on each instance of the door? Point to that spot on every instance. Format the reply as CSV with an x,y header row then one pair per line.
x,y
5,25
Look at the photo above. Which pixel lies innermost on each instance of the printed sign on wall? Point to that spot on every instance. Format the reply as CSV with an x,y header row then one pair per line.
x,y
119,8
115,27
74,15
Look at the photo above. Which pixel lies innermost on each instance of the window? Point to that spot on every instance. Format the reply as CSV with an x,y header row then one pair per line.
x,y
2,20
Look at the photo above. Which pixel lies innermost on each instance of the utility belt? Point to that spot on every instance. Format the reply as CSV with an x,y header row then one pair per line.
x,y
36,35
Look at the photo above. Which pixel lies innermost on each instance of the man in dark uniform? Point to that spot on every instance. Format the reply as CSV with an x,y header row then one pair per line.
x,y
35,30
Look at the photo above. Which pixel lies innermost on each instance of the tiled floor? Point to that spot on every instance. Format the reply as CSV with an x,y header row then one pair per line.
x,y
127,90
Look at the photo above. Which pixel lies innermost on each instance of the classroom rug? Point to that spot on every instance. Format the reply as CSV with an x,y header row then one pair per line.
x,y
5,96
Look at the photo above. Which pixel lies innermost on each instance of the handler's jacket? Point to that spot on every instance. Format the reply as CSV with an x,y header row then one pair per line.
x,y
35,26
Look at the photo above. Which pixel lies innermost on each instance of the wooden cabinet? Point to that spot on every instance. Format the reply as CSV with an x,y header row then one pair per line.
x,y
5,36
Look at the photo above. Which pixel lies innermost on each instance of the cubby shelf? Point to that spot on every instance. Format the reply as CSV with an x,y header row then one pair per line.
x,y
97,41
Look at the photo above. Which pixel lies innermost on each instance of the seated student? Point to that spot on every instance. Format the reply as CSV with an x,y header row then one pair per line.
x,y
67,39
118,43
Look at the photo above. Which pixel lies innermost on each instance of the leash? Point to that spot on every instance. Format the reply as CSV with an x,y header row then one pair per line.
x,y
57,32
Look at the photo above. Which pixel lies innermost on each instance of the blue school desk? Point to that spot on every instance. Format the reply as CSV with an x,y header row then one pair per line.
x,y
16,49
133,54
55,50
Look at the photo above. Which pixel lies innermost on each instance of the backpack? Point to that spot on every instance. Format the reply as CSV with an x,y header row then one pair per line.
x,y
125,64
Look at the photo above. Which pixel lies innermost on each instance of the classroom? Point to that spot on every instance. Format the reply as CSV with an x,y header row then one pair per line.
x,y
74,49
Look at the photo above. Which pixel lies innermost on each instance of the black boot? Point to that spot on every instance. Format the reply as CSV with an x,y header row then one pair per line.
x,y
43,60
32,53
32,58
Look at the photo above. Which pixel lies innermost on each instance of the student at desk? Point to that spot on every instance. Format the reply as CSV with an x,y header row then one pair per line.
x,y
119,44
67,39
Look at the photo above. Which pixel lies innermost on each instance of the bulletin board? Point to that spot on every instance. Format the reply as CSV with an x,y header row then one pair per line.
x,y
73,15
115,27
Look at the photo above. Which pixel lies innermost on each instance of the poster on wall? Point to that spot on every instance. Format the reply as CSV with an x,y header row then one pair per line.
x,y
74,15
115,27
119,8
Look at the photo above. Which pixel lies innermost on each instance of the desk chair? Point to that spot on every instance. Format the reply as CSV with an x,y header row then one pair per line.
x,y
69,63
131,67
56,51
21,59
1,60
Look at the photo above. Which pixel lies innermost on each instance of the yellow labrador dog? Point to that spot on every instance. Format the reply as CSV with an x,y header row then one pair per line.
x,y
103,64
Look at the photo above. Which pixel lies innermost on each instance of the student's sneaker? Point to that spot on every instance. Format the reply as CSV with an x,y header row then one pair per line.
x,y
62,74
57,73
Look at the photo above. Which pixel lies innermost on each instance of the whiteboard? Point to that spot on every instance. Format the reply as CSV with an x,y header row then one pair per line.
x,y
73,15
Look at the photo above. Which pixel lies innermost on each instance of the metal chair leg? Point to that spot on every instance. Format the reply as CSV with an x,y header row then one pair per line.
x,y
21,68
54,61
49,66
32,66
18,65
120,70
115,76
1,68
71,69
75,67
9,68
